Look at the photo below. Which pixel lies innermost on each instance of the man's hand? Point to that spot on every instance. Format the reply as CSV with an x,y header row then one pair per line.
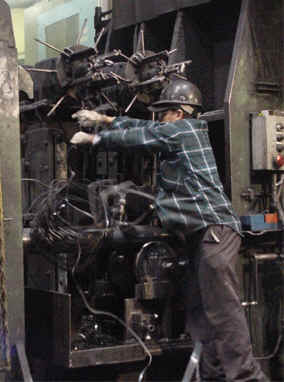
x,y
88,118
82,138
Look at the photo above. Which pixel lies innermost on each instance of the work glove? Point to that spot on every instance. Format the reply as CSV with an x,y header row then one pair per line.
x,y
88,118
81,138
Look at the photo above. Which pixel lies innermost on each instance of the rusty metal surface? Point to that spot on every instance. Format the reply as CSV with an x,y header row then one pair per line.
x,y
124,353
4,344
62,328
11,176
26,84
41,147
6,25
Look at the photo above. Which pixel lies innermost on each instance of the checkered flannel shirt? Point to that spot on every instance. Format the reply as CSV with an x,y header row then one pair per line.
x,y
190,194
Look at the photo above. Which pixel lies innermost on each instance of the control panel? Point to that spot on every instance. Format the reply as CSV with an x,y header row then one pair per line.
x,y
268,140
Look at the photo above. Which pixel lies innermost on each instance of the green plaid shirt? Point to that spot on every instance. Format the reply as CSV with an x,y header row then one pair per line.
x,y
190,193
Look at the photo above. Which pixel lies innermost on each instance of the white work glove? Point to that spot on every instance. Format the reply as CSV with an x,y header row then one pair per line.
x,y
88,118
81,138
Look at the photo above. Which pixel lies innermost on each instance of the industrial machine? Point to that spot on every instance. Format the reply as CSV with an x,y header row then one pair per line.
x,y
89,216
102,277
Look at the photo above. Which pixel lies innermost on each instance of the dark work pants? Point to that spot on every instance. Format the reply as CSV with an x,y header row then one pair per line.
x,y
214,312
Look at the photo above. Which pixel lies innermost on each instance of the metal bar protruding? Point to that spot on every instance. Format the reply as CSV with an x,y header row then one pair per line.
x,y
25,369
81,32
52,47
98,40
193,362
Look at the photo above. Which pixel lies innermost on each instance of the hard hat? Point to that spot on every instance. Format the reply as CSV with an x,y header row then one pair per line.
x,y
178,94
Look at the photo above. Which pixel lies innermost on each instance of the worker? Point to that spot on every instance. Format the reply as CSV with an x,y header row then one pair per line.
x,y
191,200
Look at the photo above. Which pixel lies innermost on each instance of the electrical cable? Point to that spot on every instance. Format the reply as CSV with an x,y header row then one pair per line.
x,y
51,226
34,180
275,351
55,212
255,233
79,210
278,343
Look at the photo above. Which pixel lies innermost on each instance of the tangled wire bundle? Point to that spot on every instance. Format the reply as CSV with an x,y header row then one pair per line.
x,y
62,221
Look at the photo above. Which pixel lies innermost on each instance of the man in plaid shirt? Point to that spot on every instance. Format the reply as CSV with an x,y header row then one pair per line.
x,y
191,200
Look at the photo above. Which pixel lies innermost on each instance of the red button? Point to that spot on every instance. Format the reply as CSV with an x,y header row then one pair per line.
x,y
279,161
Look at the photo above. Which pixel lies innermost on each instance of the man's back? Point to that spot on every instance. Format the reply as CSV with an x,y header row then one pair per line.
x,y
191,193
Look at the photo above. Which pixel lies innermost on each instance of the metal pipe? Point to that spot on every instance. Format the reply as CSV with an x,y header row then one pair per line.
x,y
266,256
52,47
257,257
260,257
